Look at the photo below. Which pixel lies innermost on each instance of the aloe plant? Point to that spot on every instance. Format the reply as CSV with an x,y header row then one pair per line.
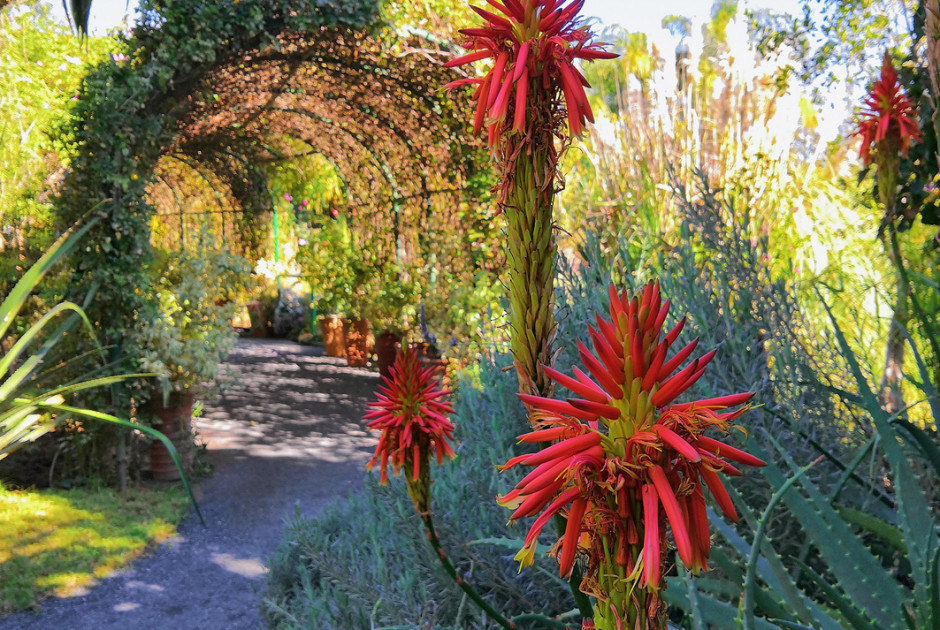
x,y
28,407
851,588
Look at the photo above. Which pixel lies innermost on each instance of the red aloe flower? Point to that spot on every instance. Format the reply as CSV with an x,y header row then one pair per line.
x,y
533,45
412,416
887,121
627,458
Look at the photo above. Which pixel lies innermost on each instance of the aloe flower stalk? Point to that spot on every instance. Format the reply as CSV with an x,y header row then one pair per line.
x,y
412,416
627,459
532,103
887,124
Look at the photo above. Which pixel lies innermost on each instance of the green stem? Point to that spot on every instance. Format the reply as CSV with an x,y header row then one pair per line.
x,y
452,572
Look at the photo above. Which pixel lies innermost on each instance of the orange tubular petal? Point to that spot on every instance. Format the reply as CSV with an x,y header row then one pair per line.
x,y
569,81
540,476
673,513
567,448
469,58
591,393
656,363
481,106
492,18
673,439
520,61
497,74
728,452
721,402
610,334
499,7
522,89
584,378
588,112
536,501
599,409
461,82
669,366
574,112
719,493
598,371
556,406
674,333
569,544
563,499
543,435
672,388
651,558
699,518
591,54
605,352
501,104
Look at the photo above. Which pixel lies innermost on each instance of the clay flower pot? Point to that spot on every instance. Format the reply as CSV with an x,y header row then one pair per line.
x,y
334,338
386,349
258,313
174,420
357,342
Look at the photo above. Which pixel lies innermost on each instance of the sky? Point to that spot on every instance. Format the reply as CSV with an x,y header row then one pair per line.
x,y
634,15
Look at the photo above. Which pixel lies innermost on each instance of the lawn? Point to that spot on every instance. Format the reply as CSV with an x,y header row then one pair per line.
x,y
57,542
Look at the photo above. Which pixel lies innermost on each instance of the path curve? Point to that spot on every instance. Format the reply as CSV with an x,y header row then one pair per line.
x,y
289,433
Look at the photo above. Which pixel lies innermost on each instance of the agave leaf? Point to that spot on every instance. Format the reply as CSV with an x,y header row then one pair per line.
x,y
873,524
850,469
914,517
850,614
714,613
11,305
858,571
770,567
921,440
750,573
23,342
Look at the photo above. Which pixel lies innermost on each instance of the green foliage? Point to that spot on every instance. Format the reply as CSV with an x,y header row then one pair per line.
x,y
365,562
41,66
190,333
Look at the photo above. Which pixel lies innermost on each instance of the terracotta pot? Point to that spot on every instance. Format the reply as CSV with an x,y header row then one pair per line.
x,y
386,349
174,420
357,341
334,339
258,313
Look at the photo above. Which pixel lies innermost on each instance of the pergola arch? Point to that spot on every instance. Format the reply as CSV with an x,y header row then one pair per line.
x,y
229,88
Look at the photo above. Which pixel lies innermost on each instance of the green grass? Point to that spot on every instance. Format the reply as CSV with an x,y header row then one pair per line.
x,y
56,542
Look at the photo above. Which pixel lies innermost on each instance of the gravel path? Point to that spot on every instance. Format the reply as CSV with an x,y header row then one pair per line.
x,y
290,433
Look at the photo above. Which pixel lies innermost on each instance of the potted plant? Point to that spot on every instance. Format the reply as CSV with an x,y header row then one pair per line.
x,y
392,310
183,340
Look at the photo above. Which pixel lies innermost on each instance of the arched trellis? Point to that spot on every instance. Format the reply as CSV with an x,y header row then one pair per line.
x,y
225,86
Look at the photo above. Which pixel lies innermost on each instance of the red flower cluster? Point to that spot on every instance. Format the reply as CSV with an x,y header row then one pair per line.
x,y
534,44
887,115
626,457
412,417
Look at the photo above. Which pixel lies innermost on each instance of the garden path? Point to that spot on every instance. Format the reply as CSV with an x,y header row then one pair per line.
x,y
289,433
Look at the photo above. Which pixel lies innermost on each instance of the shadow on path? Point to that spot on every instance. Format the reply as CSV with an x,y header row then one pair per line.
x,y
289,433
